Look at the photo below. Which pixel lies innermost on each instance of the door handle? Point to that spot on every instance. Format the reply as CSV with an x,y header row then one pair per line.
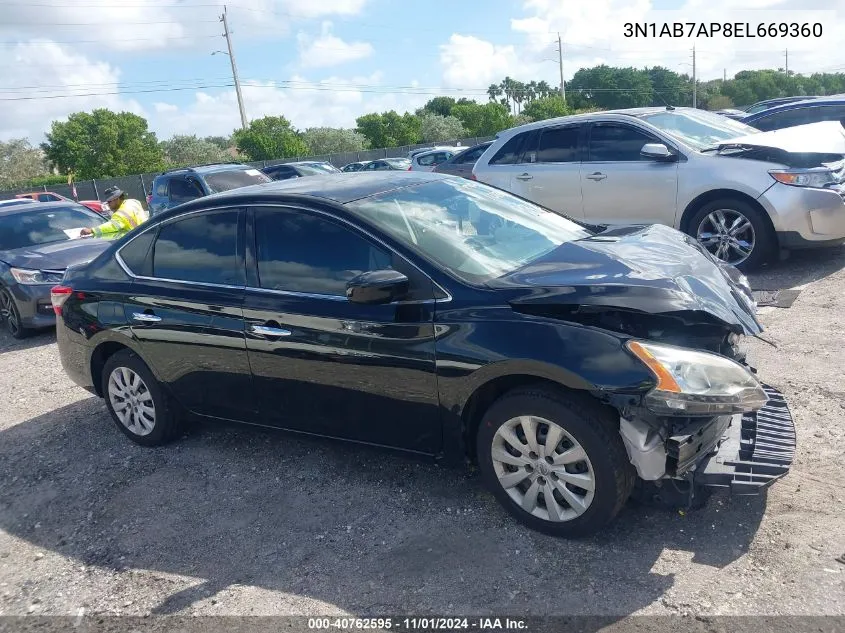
x,y
597,176
524,177
266,330
144,317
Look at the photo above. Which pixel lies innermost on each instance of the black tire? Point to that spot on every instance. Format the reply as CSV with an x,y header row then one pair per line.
x,y
166,424
12,317
594,426
765,240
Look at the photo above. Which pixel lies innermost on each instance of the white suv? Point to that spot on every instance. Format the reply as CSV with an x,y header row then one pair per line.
x,y
742,193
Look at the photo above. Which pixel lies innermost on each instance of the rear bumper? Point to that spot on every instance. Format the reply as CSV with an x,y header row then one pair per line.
x,y
754,451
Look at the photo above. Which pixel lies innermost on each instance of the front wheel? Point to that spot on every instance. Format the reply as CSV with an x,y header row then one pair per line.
x,y
734,232
11,317
555,460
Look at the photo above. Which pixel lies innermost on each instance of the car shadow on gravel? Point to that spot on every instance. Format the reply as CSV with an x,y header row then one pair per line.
x,y
801,267
368,531
9,344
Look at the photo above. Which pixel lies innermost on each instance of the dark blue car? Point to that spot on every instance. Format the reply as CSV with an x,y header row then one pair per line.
x,y
176,186
798,113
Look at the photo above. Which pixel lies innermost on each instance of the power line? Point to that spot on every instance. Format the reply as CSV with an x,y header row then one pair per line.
x,y
122,39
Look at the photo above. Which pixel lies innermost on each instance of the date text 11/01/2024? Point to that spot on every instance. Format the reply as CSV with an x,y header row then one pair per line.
x,y
417,624
725,29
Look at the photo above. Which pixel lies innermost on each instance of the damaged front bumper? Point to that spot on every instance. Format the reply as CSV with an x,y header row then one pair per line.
x,y
744,453
753,452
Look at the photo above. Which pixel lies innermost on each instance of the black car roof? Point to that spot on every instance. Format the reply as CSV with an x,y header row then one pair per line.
x,y
340,188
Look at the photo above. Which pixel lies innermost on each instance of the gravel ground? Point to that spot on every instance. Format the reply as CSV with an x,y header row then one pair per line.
x,y
235,521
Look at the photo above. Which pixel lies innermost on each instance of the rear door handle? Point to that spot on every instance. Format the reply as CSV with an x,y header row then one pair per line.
x,y
524,177
144,317
266,330
597,176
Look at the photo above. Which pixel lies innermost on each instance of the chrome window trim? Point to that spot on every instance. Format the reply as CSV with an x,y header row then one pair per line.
x,y
126,269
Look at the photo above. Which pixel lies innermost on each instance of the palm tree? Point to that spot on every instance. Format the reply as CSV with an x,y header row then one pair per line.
x,y
495,90
543,89
531,91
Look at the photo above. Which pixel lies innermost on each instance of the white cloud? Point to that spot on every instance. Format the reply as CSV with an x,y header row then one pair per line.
x,y
329,50
149,24
332,102
165,107
593,33
471,63
26,111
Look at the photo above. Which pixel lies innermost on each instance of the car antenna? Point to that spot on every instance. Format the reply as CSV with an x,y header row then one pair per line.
x,y
669,107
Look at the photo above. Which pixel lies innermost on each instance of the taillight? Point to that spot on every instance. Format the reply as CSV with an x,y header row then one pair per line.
x,y
149,198
58,296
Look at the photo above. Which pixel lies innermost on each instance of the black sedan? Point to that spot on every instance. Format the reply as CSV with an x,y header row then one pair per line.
x,y
442,317
36,247
286,171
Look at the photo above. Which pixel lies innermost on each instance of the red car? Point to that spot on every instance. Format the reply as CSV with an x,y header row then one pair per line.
x,y
49,196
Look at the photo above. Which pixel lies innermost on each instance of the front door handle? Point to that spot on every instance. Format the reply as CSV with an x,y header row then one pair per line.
x,y
266,330
524,177
145,317
597,176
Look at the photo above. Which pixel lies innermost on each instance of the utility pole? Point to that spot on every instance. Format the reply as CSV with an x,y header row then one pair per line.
x,y
228,37
560,63
724,74
787,61
694,87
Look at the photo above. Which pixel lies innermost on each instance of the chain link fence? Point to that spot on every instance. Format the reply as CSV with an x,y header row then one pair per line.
x,y
138,186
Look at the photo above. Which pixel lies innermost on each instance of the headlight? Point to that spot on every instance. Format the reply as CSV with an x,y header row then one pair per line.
x,y
816,177
690,382
32,277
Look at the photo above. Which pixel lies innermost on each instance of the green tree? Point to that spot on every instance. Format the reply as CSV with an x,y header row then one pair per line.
x,y
103,143
483,120
546,108
268,138
434,127
669,87
223,142
439,105
329,140
609,87
20,163
389,129
719,102
181,151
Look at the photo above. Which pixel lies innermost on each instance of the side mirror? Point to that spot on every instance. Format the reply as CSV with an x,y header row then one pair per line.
x,y
657,151
377,287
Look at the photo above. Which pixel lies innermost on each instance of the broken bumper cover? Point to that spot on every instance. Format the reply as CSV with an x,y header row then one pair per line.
x,y
754,452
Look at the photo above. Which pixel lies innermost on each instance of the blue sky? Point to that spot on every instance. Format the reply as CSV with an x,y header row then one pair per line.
x,y
325,62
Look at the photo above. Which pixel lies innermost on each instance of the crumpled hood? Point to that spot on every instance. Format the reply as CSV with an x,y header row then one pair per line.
x,y
651,269
825,137
55,255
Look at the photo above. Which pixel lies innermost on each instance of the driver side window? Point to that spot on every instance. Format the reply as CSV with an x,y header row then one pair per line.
x,y
613,142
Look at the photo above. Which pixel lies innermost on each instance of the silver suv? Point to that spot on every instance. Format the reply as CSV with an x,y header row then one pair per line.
x,y
742,193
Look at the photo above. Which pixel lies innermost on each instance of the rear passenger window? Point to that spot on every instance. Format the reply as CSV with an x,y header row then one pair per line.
x,y
558,145
511,151
161,188
298,252
134,254
200,248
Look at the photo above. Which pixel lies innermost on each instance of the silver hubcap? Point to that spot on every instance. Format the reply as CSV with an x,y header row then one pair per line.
x,y
7,312
727,234
543,468
132,401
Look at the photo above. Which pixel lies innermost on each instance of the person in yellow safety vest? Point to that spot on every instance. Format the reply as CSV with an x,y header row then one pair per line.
x,y
126,214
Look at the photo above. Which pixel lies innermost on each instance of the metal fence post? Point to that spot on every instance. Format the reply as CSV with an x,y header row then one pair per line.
x,y
94,183
143,186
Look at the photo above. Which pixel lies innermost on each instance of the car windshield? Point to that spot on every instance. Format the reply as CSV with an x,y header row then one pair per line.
x,y
699,129
42,226
401,163
324,167
475,232
315,169
218,181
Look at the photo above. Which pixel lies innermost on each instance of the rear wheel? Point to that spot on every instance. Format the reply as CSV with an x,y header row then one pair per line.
x,y
734,232
555,460
137,403
11,317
